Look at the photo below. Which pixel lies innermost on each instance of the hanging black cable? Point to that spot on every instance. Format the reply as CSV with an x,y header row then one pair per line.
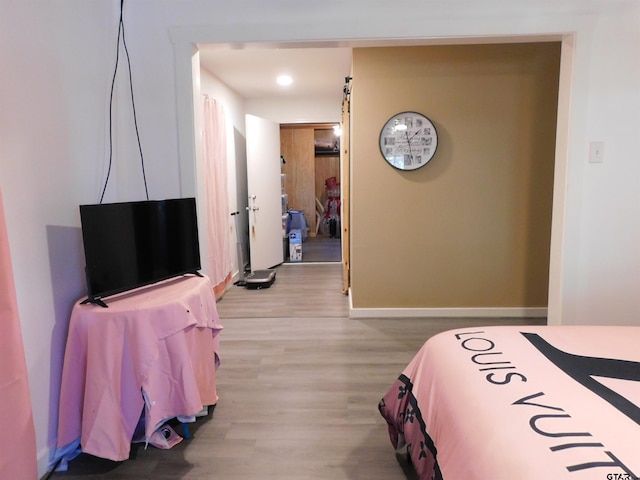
x,y
133,105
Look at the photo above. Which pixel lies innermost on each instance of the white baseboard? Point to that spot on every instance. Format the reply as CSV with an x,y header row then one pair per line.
x,y
481,312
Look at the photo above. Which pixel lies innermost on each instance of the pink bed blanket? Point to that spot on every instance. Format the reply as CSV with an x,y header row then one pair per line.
x,y
530,402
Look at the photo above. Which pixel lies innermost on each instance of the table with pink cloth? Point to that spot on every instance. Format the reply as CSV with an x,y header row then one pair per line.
x,y
526,402
152,352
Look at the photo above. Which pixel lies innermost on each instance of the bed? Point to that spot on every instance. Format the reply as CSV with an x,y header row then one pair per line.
x,y
526,402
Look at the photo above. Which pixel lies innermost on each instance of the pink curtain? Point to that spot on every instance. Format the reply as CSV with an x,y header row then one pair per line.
x,y
216,193
18,442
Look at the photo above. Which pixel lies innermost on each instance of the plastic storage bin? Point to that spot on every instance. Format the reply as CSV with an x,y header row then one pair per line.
x,y
298,221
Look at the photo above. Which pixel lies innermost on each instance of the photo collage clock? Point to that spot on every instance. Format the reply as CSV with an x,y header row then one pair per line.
x,y
408,140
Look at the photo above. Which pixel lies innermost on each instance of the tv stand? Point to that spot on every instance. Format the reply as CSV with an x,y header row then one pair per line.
x,y
154,350
95,301
100,302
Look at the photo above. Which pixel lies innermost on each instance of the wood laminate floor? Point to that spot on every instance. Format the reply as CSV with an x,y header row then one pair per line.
x,y
299,386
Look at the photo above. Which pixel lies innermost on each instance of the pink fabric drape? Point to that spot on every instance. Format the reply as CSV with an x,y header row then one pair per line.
x,y
216,192
18,443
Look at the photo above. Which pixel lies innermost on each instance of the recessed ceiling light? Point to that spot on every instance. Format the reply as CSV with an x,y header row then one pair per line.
x,y
284,80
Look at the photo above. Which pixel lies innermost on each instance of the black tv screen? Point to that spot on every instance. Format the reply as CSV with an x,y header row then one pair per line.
x,y
131,244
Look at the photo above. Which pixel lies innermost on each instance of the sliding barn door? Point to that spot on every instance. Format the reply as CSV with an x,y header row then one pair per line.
x,y
345,187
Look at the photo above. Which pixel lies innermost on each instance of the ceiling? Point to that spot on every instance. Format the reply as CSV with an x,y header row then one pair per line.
x,y
252,72
319,69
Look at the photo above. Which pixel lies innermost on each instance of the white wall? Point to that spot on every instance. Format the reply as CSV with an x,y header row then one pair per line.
x,y
234,109
608,274
53,139
57,59
298,110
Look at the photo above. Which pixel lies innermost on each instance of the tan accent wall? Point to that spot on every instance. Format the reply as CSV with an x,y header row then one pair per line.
x,y
472,228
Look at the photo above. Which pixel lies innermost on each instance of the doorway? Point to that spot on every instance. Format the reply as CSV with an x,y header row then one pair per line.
x,y
317,106
311,193
555,303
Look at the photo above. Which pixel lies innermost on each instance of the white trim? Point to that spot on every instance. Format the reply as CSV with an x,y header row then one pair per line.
x,y
557,262
481,312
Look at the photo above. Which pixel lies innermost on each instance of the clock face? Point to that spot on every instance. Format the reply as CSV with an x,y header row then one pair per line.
x,y
408,141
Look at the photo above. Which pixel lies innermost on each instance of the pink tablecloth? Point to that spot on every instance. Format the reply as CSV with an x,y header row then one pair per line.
x,y
153,349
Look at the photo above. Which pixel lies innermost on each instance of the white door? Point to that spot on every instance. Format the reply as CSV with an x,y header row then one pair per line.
x,y
265,203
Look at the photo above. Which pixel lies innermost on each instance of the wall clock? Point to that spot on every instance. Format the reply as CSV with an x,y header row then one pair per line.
x,y
408,140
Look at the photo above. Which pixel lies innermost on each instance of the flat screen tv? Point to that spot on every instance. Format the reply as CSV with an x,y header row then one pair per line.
x,y
132,244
